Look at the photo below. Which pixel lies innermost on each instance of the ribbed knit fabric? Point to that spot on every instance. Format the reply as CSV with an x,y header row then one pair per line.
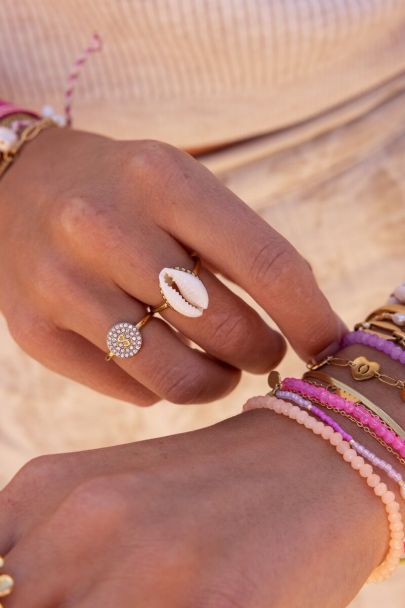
x,y
196,72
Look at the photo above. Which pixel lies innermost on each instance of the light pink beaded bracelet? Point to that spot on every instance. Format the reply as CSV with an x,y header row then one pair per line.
x,y
395,523
359,412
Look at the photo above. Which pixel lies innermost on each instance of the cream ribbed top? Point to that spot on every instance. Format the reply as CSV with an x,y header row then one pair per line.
x,y
197,72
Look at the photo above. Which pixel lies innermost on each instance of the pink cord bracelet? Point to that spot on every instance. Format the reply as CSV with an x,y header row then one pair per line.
x,y
359,412
349,455
387,347
359,447
8,109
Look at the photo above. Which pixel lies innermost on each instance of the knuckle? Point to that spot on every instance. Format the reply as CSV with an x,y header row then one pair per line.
x,y
154,164
152,156
40,471
85,222
104,495
273,262
179,386
230,330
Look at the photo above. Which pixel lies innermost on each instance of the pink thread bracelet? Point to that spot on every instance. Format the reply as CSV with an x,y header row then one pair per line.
x,y
8,109
359,447
349,455
359,412
387,347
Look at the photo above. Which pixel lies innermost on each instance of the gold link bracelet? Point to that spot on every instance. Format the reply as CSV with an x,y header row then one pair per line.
x,y
362,369
28,134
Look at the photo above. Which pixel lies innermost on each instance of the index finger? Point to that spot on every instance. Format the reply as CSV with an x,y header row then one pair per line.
x,y
207,217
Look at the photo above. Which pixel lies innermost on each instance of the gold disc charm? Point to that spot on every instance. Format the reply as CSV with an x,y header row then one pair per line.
x,y
363,369
274,381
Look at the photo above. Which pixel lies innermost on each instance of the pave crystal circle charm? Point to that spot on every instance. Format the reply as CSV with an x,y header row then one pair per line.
x,y
124,340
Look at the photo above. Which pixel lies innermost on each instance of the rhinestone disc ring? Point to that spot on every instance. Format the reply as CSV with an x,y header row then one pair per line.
x,y
124,340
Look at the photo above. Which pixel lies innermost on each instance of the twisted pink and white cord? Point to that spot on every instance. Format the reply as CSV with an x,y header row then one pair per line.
x,y
94,46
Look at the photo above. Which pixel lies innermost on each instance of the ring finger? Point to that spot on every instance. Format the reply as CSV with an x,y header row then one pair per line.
x,y
164,364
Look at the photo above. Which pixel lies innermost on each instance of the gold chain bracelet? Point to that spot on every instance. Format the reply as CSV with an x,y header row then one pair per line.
x,y
386,322
28,134
362,369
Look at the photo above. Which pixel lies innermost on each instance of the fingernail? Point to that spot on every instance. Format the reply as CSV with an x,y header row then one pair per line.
x,y
326,352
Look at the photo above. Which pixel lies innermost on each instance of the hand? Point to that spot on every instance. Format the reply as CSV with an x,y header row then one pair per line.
x,y
226,517
87,223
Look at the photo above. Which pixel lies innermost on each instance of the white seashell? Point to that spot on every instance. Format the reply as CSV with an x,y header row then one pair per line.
x,y
7,139
190,298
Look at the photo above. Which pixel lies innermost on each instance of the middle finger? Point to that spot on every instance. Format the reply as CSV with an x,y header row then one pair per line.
x,y
229,329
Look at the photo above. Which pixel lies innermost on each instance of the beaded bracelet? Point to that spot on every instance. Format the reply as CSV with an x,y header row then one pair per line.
x,y
388,347
363,427
350,455
359,447
325,397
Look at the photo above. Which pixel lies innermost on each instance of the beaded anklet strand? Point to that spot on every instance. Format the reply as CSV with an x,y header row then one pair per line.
x,y
350,455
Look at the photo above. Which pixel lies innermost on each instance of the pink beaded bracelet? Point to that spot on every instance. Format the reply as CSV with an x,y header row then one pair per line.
x,y
387,347
359,412
395,523
359,447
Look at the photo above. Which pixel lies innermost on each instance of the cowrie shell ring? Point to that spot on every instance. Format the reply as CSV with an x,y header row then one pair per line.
x,y
183,291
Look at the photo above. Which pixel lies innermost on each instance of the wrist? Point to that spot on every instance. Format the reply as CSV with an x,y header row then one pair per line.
x,y
343,527
386,397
